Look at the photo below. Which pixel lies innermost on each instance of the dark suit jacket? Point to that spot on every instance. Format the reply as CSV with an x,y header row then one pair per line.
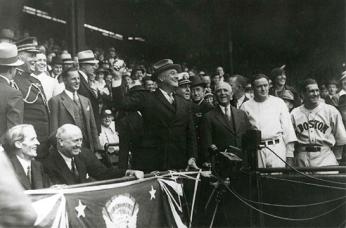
x,y
87,165
217,129
38,177
35,113
234,102
85,90
330,101
61,107
11,107
169,137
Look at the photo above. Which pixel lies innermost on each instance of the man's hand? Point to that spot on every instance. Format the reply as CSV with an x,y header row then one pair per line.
x,y
192,164
137,173
116,80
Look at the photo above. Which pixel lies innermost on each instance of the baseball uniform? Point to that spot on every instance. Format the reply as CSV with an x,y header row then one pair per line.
x,y
317,130
272,118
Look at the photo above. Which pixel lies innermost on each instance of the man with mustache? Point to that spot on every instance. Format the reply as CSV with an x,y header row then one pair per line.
x,y
71,107
319,128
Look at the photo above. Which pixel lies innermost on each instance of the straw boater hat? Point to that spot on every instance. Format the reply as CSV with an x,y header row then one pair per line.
x,y
66,58
86,56
163,65
9,55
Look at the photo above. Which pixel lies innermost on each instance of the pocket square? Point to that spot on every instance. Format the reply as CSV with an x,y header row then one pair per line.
x,y
88,108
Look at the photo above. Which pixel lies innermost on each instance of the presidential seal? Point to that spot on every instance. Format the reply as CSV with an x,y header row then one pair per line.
x,y
121,212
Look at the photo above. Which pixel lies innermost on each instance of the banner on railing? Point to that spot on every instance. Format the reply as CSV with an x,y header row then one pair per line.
x,y
152,202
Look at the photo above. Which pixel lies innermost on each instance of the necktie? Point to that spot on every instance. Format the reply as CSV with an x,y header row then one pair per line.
x,y
227,113
74,168
76,100
13,85
171,98
28,173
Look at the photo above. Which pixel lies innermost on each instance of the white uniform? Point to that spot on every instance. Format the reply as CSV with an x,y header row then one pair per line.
x,y
272,118
321,126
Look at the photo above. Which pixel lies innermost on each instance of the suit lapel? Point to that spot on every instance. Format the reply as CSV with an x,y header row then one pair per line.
x,y
82,170
222,118
85,108
162,99
66,100
21,175
86,85
63,170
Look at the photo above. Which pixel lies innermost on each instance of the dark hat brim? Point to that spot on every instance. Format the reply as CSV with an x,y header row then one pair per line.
x,y
177,67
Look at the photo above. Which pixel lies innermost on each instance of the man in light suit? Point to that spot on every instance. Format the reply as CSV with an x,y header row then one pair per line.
x,y
224,125
169,141
70,107
21,145
11,100
68,163
87,67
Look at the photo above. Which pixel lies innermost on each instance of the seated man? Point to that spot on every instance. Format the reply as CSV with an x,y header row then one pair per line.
x,y
21,145
68,164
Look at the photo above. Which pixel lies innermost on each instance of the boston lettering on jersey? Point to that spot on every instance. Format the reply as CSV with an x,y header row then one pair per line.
x,y
322,127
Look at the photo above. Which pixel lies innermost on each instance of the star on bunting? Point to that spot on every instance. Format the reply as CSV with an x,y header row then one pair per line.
x,y
152,193
80,209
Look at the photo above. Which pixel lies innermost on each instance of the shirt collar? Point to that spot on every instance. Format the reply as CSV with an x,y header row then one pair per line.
x,y
25,163
167,96
70,94
66,159
84,75
223,108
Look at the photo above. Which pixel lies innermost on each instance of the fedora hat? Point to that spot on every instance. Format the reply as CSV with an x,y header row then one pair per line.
x,y
163,65
28,44
66,58
56,60
9,55
197,81
87,56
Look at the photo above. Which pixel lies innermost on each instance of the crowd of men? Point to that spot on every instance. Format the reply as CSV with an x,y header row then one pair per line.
x,y
62,121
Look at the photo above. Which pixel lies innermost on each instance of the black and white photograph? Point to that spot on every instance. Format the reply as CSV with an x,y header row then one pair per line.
x,y
172,113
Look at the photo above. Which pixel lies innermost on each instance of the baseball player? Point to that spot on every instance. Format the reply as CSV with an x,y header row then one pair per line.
x,y
319,129
270,115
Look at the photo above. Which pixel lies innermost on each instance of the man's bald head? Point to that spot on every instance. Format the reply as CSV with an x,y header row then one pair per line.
x,y
69,140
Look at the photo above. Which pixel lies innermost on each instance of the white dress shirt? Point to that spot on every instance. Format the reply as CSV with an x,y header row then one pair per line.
x,y
71,95
25,164
169,97
51,87
67,160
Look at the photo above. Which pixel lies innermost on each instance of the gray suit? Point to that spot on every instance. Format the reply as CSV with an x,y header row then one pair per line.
x,y
61,107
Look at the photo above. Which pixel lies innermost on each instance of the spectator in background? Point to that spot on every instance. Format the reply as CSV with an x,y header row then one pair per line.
x,y
56,68
280,85
66,60
238,83
7,35
87,67
342,110
220,72
215,80
50,86
100,78
21,146
249,91
108,136
288,98
183,89
206,79
342,84
332,98
324,92
148,83
209,98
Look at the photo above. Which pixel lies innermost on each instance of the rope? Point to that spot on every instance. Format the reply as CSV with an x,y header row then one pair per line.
x,y
194,197
307,183
281,217
301,173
